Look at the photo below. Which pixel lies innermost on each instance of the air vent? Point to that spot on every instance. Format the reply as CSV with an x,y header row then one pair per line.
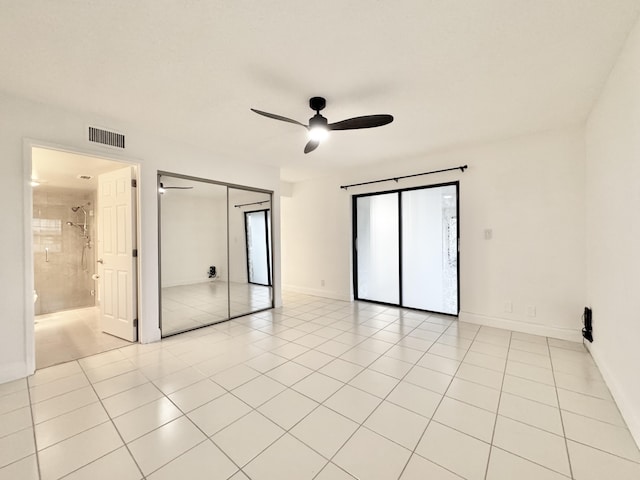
x,y
106,137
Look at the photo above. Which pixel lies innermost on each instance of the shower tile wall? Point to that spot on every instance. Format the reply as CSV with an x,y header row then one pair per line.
x,y
64,281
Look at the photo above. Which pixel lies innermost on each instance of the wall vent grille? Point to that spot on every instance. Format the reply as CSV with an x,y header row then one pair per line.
x,y
106,137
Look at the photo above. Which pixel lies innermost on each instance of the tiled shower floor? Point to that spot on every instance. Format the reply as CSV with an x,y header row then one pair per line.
x,y
324,390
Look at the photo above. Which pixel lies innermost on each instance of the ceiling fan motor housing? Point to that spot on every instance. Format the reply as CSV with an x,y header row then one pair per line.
x,y
317,103
317,121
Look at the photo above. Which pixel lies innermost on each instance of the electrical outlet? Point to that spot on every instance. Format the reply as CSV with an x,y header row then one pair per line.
x,y
322,283
508,307
531,310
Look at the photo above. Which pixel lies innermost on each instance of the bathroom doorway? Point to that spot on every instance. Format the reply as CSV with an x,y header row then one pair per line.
x,y
67,256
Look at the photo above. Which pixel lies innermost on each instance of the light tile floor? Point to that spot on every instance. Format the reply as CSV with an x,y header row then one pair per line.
x,y
324,390
185,307
70,335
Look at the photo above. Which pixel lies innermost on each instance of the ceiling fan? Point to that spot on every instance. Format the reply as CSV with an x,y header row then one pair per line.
x,y
163,189
319,127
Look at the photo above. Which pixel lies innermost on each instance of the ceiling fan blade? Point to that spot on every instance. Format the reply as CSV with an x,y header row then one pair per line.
x,y
311,146
278,117
174,188
367,121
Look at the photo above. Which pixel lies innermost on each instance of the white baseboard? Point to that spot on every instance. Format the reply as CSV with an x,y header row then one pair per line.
x,y
186,282
316,292
13,371
573,335
629,410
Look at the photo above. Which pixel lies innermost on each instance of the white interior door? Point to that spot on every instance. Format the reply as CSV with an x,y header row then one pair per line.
x,y
116,261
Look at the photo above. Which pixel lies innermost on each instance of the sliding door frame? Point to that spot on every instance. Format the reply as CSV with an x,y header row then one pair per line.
x,y
265,213
354,244
228,186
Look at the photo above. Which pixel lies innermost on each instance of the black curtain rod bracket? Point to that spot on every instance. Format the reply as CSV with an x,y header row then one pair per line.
x,y
462,168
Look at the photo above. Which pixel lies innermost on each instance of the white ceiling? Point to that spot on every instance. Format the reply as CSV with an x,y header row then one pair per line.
x,y
450,71
63,169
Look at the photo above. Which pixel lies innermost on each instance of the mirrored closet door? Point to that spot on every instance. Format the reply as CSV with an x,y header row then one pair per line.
x,y
212,248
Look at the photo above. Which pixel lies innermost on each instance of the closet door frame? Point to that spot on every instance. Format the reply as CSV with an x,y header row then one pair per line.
x,y
354,244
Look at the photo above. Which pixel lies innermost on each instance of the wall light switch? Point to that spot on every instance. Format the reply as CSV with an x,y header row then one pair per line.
x,y
488,234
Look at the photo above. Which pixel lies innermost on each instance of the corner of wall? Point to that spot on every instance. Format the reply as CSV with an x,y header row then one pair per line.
x,y
627,407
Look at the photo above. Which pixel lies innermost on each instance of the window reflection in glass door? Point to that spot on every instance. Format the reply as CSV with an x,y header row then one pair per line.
x,y
249,244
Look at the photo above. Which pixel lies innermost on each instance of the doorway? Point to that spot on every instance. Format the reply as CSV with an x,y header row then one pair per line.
x,y
405,248
70,294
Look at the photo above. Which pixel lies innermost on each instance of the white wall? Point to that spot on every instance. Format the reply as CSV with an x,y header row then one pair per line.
x,y
20,119
613,230
194,235
529,191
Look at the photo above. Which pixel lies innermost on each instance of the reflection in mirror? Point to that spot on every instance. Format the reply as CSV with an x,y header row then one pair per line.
x,y
193,253
250,265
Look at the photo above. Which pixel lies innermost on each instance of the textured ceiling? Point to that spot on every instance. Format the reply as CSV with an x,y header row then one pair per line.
x,y
451,72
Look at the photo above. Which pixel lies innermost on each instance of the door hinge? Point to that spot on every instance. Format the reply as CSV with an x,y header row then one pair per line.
x,y
135,252
135,322
134,183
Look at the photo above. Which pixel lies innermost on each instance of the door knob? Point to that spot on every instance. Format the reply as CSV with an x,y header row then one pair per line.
x,y
95,276
99,260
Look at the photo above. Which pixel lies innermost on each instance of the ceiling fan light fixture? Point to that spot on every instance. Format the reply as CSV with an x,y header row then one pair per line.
x,y
318,129
318,133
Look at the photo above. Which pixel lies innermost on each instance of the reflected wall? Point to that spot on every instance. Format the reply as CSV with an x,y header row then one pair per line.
x,y
203,259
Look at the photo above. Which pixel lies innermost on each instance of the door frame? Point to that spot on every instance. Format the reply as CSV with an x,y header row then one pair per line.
x,y
267,213
354,239
28,145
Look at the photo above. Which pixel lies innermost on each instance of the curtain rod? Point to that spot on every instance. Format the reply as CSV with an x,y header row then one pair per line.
x,y
253,203
462,168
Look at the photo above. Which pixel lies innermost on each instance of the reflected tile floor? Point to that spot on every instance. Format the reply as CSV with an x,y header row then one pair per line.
x,y
70,335
321,389
185,307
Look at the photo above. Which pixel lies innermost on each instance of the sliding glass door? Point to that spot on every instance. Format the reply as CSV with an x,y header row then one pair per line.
x,y
378,248
406,248
256,226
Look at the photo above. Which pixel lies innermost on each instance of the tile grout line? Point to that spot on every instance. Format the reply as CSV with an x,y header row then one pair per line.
x,y
495,422
443,395
317,370
344,384
114,427
287,387
361,425
33,426
564,432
